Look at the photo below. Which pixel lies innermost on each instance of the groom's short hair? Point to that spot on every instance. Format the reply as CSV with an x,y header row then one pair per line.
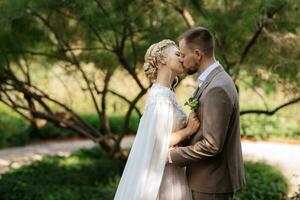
x,y
201,38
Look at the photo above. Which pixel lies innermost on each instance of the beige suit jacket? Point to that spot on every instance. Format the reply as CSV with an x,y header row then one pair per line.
x,y
213,156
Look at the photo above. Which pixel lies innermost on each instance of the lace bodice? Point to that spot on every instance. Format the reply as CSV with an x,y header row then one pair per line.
x,y
158,93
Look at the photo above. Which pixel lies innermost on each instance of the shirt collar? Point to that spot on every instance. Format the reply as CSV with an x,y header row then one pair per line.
x,y
203,75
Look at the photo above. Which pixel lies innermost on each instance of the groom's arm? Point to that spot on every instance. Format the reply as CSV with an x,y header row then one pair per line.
x,y
217,109
184,142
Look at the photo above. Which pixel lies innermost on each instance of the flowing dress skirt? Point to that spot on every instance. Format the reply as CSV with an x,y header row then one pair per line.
x,y
174,184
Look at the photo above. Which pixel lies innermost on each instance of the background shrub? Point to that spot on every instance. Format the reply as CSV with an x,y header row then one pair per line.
x,y
15,131
85,175
90,175
263,182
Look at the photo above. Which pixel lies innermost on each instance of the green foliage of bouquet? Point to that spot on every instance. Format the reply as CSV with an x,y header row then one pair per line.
x,y
192,102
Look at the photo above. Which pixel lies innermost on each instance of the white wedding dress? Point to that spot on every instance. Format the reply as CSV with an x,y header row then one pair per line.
x,y
146,176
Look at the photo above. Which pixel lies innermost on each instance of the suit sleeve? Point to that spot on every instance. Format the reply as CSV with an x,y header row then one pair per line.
x,y
217,109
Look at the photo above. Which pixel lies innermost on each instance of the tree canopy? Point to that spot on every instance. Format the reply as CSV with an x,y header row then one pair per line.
x,y
258,39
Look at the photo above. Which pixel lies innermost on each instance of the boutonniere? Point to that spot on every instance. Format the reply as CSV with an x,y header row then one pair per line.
x,y
192,102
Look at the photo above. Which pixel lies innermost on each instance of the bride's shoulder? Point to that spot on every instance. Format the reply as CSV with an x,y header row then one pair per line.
x,y
158,93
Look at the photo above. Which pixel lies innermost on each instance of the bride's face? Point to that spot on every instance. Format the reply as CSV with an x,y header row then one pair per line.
x,y
172,57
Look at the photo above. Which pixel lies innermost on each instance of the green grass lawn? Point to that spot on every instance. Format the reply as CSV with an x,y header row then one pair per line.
x,y
86,174
90,175
14,131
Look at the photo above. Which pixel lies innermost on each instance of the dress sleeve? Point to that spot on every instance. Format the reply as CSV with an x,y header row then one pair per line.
x,y
144,169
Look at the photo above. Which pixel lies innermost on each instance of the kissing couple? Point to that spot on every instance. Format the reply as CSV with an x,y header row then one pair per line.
x,y
175,157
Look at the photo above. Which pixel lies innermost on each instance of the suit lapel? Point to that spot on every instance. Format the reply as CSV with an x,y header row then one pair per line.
x,y
196,91
207,81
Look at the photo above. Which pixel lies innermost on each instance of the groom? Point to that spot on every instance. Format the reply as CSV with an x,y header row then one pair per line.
x,y
213,156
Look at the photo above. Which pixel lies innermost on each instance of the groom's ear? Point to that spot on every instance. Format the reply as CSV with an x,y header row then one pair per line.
x,y
198,53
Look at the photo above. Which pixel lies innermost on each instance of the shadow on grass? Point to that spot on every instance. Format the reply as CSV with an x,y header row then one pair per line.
x,y
90,175
86,174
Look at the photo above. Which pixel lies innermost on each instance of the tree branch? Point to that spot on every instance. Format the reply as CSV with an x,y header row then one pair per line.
x,y
63,44
270,112
104,118
125,99
128,114
261,25
183,11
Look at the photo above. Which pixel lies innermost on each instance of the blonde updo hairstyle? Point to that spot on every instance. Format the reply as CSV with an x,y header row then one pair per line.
x,y
153,57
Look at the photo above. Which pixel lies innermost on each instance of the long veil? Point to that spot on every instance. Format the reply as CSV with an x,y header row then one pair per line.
x,y
144,169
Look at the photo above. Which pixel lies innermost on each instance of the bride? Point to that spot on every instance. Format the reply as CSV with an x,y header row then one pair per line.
x,y
146,175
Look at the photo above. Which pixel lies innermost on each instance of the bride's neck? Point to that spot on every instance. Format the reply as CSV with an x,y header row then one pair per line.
x,y
166,79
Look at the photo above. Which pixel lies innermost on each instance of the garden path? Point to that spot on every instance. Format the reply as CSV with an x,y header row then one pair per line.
x,y
286,157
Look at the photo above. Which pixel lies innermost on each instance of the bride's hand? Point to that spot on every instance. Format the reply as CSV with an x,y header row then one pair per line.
x,y
193,123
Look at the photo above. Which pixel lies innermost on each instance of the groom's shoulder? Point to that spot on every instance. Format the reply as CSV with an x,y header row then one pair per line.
x,y
222,79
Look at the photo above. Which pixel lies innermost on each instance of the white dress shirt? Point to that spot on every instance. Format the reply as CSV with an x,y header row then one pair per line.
x,y
201,79
204,75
